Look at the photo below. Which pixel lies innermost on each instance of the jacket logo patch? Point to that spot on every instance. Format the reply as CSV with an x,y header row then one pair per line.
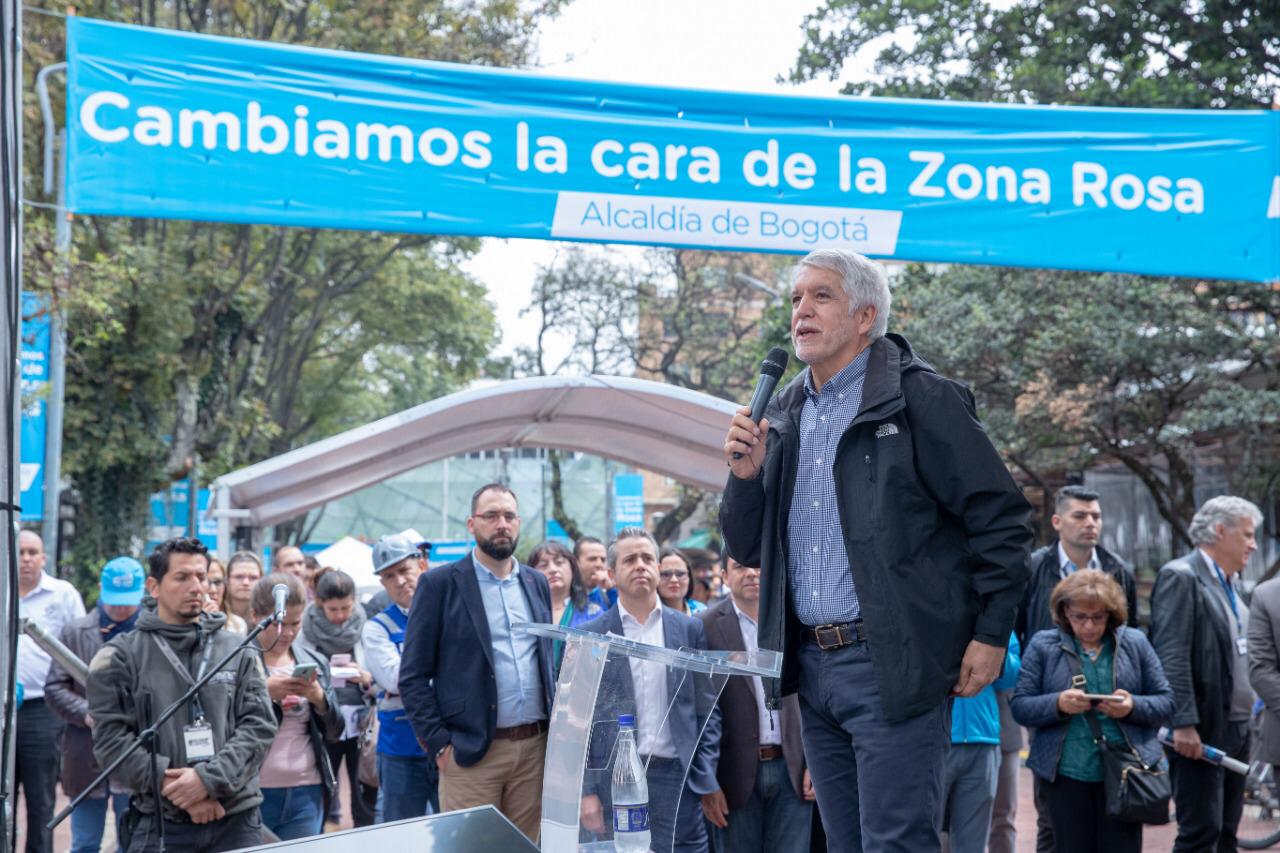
x,y
886,430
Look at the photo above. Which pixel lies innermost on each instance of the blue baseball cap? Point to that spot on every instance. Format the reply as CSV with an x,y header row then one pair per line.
x,y
123,582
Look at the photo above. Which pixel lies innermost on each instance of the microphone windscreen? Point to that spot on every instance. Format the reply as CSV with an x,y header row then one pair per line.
x,y
775,363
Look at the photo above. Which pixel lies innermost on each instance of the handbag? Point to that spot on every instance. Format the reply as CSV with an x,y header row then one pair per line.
x,y
368,766
1136,792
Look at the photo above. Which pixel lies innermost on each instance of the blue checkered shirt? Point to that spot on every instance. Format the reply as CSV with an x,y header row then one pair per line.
x,y
818,567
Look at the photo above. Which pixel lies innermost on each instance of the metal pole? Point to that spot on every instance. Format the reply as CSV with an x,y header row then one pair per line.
x,y
57,369
193,498
10,289
444,503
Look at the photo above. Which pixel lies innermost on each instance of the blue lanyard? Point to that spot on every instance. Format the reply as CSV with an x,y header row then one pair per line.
x,y
1231,594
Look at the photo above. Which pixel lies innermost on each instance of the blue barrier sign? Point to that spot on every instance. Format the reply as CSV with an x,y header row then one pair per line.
x,y
34,382
171,124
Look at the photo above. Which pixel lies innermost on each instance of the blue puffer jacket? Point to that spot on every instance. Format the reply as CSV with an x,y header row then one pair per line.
x,y
1046,672
977,719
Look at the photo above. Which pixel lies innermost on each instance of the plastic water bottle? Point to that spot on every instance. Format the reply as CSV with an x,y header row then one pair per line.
x,y
630,791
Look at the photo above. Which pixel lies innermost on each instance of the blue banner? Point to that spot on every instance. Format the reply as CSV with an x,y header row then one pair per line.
x,y
34,366
170,511
171,124
628,501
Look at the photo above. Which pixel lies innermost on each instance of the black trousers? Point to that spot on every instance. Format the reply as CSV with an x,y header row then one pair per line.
x,y
1207,799
1078,811
1044,826
364,799
233,832
39,732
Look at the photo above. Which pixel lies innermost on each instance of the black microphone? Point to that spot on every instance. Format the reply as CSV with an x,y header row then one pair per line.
x,y
771,370
280,593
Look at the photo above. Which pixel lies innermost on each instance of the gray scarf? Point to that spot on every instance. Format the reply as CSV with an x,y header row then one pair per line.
x,y
329,638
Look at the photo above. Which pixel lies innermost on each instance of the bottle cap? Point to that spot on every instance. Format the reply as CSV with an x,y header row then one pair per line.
x,y
626,720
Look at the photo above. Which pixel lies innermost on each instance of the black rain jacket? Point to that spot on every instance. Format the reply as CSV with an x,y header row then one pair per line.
x,y
936,531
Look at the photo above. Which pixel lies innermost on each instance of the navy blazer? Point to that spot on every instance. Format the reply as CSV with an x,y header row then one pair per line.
x,y
447,679
693,699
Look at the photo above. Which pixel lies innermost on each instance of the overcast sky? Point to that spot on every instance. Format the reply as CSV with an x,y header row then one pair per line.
x,y
738,45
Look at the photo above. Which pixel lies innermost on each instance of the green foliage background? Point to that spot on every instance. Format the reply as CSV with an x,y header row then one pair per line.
x,y
228,344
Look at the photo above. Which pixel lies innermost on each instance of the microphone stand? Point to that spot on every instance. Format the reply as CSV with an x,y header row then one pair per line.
x,y
147,737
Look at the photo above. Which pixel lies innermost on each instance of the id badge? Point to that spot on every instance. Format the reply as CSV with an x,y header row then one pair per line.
x,y
199,741
1242,646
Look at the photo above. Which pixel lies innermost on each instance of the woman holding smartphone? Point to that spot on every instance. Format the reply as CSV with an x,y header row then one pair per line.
x,y
1125,690
297,781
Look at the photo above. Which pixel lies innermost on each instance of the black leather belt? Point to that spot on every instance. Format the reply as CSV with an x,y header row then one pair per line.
x,y
836,635
770,752
524,732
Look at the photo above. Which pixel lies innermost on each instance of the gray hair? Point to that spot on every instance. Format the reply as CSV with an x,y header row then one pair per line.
x,y
1227,510
625,534
863,280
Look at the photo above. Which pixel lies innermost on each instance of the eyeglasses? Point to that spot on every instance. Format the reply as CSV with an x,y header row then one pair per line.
x,y
1088,618
673,575
493,517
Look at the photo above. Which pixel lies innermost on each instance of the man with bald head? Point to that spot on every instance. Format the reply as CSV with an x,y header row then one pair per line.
x,y
52,604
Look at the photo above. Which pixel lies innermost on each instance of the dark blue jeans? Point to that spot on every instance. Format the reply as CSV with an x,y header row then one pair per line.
x,y
879,784
293,813
89,818
774,820
409,786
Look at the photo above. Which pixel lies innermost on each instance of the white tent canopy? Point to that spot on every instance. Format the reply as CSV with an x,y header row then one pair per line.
x,y
662,428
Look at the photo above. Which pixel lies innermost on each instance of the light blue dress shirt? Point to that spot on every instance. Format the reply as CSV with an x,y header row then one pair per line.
x,y
821,581
515,655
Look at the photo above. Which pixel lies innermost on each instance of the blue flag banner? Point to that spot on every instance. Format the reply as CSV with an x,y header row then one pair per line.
x,y
170,124
33,433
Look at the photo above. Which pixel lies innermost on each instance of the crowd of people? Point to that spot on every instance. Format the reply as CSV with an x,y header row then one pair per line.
x,y
872,535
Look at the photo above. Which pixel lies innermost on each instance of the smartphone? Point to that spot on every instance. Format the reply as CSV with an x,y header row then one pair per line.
x,y
305,670
1103,697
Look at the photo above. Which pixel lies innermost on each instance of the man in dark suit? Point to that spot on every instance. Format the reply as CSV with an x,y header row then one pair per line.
x,y
1199,627
765,798
477,692
668,740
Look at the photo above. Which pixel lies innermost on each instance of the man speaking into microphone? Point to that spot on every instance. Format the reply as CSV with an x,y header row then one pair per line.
x,y
892,544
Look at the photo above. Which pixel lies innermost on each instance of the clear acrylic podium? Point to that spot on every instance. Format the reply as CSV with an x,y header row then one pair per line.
x,y
595,685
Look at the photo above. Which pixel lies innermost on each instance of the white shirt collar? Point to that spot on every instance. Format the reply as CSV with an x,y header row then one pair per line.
x,y
515,567
741,614
44,584
648,620
1063,559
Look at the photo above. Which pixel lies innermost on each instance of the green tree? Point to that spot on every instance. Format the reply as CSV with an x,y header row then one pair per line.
x,y
1071,366
232,343
690,318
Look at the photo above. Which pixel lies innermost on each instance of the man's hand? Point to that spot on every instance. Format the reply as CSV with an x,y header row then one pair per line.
x,y
592,814
748,439
1186,742
206,811
1118,710
716,808
810,795
184,788
980,666
442,757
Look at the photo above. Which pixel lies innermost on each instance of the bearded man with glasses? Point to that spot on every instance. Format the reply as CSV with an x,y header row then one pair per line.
x,y
477,692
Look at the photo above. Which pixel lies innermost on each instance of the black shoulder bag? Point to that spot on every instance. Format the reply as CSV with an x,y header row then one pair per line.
x,y
1136,792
